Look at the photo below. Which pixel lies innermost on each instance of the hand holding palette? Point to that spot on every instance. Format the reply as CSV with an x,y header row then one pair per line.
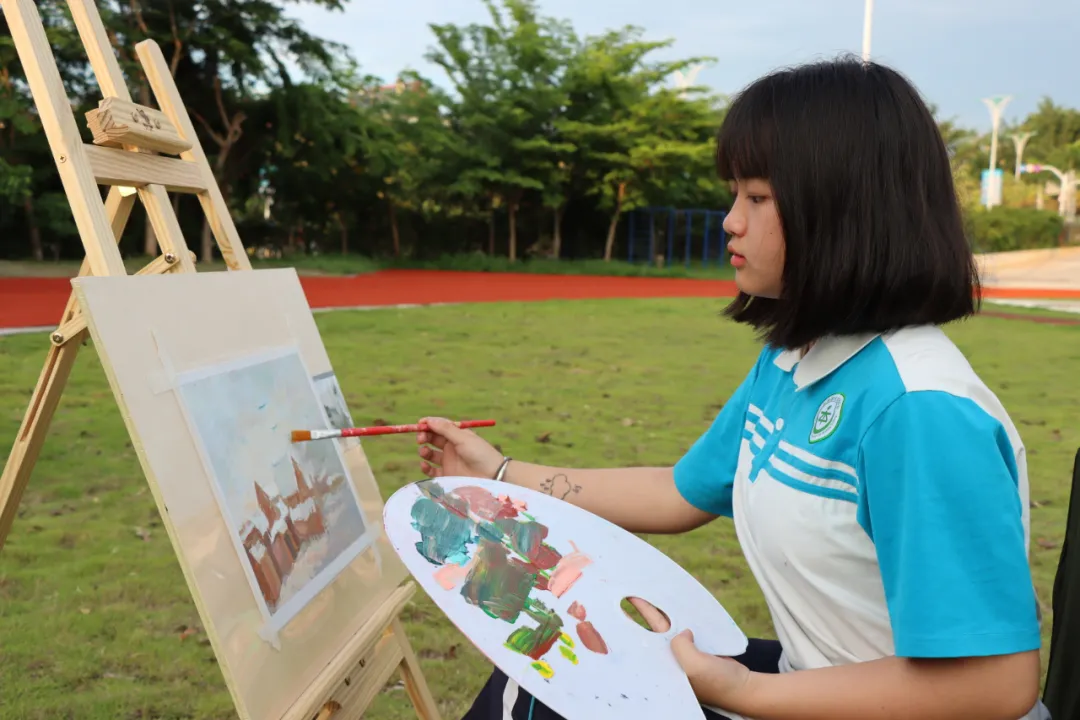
x,y
536,584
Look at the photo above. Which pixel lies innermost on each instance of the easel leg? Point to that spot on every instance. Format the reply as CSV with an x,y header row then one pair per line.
x,y
415,685
50,387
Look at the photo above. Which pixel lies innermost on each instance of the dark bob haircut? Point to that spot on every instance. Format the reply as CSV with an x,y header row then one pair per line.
x,y
874,235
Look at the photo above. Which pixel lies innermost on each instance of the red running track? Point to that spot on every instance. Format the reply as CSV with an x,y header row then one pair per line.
x,y
39,302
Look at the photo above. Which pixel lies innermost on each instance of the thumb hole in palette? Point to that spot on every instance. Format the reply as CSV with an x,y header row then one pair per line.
x,y
628,607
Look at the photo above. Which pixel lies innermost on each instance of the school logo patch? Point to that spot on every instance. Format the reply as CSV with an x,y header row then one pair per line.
x,y
827,417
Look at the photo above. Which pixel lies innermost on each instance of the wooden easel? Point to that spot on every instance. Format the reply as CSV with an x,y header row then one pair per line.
x,y
124,156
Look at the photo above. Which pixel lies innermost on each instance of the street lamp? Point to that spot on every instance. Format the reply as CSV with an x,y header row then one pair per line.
x,y
868,22
1020,140
996,105
1067,193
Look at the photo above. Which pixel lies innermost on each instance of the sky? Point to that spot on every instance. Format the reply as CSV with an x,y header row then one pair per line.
x,y
955,51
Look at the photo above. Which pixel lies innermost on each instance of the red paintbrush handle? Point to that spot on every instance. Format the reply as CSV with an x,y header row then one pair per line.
x,y
394,429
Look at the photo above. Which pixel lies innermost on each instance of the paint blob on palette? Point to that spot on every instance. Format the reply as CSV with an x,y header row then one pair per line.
x,y
536,584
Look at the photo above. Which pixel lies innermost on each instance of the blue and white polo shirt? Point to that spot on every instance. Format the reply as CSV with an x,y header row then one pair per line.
x,y
879,491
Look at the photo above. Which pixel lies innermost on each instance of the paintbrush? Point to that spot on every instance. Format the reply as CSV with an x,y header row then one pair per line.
x,y
306,435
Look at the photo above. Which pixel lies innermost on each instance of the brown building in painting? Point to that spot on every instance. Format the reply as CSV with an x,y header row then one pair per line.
x,y
275,535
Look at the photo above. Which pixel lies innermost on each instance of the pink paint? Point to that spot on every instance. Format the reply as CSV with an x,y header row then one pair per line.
x,y
485,505
576,610
519,505
450,574
567,571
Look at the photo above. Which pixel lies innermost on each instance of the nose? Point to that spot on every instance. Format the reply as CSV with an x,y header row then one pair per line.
x,y
735,222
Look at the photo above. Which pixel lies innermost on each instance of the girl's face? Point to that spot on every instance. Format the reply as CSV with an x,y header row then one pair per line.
x,y
757,239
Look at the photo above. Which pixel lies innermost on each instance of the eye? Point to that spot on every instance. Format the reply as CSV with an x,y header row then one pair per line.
x,y
756,198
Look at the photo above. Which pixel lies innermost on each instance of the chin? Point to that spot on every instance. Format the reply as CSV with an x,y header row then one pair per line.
x,y
754,289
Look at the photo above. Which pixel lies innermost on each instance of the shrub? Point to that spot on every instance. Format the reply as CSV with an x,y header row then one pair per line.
x,y
1006,228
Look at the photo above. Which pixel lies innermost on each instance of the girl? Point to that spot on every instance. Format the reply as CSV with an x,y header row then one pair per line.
x,y
878,488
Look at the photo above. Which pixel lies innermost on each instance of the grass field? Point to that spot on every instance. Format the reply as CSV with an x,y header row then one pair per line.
x,y
95,618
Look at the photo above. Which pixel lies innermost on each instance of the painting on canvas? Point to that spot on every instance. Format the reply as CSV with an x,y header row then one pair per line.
x,y
295,517
333,401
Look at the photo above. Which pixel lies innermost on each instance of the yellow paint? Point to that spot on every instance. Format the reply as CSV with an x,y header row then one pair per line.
x,y
566,639
544,669
568,654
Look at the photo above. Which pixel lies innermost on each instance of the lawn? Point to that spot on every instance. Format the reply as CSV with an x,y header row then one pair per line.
x,y
95,618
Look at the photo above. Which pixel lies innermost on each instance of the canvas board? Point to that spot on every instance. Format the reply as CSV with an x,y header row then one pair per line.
x,y
536,585
193,358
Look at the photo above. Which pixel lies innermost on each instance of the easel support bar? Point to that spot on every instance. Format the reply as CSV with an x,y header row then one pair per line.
x,y
74,327
136,169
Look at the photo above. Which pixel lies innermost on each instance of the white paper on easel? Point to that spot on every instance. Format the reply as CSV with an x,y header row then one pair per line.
x,y
536,584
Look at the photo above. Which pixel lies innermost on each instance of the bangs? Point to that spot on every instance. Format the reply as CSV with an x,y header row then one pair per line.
x,y
744,145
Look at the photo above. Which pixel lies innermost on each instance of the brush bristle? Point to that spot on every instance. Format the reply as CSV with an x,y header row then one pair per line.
x,y
301,435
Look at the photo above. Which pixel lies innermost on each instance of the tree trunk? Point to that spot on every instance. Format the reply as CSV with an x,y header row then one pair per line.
x,y
233,131
344,233
609,246
491,232
512,211
556,245
394,230
36,250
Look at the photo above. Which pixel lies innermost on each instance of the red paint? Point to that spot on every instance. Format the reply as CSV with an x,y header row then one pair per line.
x,y
485,505
544,556
586,632
591,638
39,302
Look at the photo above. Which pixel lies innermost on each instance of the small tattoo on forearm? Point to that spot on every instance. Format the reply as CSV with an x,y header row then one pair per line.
x,y
559,486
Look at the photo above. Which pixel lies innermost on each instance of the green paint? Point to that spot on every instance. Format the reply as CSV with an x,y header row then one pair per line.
x,y
568,654
526,538
534,642
495,585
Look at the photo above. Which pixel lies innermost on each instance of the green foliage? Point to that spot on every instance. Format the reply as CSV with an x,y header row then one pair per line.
x,y
1006,228
541,143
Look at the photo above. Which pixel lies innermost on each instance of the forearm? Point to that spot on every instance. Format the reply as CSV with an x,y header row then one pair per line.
x,y
641,499
1001,688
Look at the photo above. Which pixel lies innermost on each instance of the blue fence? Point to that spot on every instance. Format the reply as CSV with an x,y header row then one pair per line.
x,y
684,233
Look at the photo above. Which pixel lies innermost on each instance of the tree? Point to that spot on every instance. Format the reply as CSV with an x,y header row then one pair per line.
x,y
406,143
506,77
638,137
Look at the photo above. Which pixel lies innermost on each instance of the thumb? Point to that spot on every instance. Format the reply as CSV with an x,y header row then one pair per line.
x,y
446,428
682,645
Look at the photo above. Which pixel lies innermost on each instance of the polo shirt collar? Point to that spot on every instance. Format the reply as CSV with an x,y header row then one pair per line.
x,y
827,354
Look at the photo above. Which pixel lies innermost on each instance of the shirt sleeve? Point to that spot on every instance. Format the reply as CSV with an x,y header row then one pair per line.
x,y
940,501
705,475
